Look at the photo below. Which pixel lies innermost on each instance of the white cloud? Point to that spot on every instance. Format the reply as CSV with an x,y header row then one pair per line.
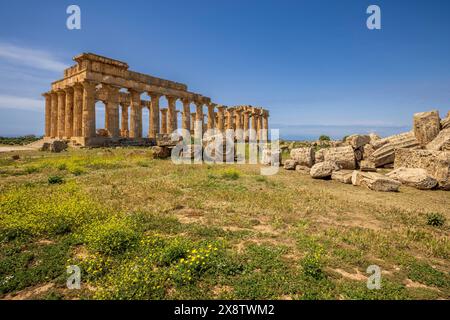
x,y
34,58
21,103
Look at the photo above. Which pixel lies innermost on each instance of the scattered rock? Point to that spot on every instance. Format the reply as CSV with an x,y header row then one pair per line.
x,y
302,169
357,140
374,181
290,164
386,153
344,157
436,163
161,152
15,157
367,165
54,146
426,126
413,177
323,170
270,157
344,176
441,142
320,156
303,156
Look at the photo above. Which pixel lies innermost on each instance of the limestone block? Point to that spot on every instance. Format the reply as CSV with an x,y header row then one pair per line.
x,y
271,157
320,156
323,170
344,157
161,152
441,142
374,181
290,164
374,137
344,176
367,165
302,169
368,149
426,126
303,156
357,140
54,146
436,163
386,153
413,177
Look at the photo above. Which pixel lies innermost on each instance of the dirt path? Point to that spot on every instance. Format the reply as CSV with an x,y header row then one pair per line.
x,y
14,148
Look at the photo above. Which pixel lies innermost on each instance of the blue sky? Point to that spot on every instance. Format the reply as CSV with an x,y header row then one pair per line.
x,y
313,64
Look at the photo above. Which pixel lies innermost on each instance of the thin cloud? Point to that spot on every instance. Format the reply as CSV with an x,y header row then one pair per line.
x,y
34,58
21,103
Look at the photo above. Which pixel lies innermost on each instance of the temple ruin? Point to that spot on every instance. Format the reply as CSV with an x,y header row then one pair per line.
x,y
70,107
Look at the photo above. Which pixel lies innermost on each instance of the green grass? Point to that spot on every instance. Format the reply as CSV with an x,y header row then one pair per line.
x,y
141,228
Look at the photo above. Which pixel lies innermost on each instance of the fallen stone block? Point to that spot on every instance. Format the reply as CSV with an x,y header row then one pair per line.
x,y
441,142
368,150
436,163
303,156
374,181
323,170
344,157
344,176
367,165
54,146
426,126
386,153
320,156
302,169
357,140
413,177
290,164
161,152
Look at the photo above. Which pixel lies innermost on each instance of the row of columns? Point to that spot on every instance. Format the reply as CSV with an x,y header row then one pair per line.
x,y
71,113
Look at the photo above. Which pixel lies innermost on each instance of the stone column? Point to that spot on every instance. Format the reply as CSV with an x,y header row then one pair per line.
x,y
164,120
229,119
199,114
220,118
88,125
77,110
124,121
171,114
246,124
54,116
254,123
134,115
68,131
211,116
48,113
193,117
112,105
266,125
239,129
258,125
154,116
61,113
186,116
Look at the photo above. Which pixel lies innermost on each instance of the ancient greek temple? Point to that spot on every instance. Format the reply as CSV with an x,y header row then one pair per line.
x,y
70,106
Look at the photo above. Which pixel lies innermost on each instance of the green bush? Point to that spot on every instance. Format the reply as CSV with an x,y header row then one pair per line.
x,y
55,180
312,265
324,138
435,219
230,174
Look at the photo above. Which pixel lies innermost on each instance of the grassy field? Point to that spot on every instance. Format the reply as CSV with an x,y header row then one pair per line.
x,y
148,229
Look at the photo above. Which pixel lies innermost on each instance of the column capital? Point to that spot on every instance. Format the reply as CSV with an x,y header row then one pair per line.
x,y
171,98
154,95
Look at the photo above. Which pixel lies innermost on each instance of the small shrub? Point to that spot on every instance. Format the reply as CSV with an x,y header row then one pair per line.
x,y
55,180
62,166
435,219
31,169
324,138
312,265
231,174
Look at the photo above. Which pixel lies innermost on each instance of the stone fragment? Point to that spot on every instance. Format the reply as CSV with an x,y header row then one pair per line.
x,y
344,157
54,146
441,142
413,177
323,170
302,169
161,152
303,156
374,181
386,153
320,156
426,126
368,149
436,163
344,176
374,137
269,157
290,164
367,165
357,140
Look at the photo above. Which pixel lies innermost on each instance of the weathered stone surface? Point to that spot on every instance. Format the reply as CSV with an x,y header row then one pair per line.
x,y
445,123
323,170
290,164
413,177
302,169
320,156
386,153
161,152
344,157
303,156
270,157
344,176
374,137
367,165
374,181
436,163
368,150
357,140
54,146
441,142
426,126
